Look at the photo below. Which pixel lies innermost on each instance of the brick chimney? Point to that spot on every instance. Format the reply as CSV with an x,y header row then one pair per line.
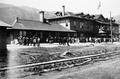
x,y
17,19
41,15
63,12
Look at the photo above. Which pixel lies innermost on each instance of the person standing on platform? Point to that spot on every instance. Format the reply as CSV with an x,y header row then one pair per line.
x,y
38,41
34,41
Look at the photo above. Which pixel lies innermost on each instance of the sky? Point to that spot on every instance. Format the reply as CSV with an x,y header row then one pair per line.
x,y
76,6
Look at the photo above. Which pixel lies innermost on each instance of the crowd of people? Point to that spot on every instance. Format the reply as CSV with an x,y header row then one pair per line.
x,y
35,41
99,40
27,41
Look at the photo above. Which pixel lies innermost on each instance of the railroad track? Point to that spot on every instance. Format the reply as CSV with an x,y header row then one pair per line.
x,y
38,68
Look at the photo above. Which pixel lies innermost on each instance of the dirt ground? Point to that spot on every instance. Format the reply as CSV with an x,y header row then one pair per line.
x,y
27,55
19,55
104,70
109,69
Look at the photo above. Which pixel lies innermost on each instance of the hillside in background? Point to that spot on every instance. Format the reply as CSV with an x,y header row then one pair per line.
x,y
8,13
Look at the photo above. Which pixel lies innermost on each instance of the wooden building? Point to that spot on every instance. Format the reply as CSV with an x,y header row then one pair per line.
x,y
80,26
105,28
32,28
84,27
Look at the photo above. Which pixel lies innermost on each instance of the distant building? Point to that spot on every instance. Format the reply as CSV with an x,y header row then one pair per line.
x,y
86,25
105,27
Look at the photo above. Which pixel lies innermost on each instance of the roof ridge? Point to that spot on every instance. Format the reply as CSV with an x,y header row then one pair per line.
x,y
28,20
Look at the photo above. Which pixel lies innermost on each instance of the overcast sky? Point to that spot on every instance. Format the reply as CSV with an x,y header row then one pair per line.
x,y
86,6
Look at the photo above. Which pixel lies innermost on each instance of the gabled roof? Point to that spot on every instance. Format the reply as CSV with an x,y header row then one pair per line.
x,y
56,14
37,25
69,16
3,24
99,17
62,17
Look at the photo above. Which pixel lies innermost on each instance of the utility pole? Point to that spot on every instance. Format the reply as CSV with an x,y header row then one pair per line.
x,y
111,28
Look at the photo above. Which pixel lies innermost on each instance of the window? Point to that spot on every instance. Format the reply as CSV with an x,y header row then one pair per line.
x,y
74,22
81,25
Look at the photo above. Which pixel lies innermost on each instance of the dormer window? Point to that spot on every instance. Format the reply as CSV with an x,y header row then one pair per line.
x,y
58,13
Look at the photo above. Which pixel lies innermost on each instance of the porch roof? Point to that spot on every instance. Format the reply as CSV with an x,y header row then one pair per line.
x,y
37,25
